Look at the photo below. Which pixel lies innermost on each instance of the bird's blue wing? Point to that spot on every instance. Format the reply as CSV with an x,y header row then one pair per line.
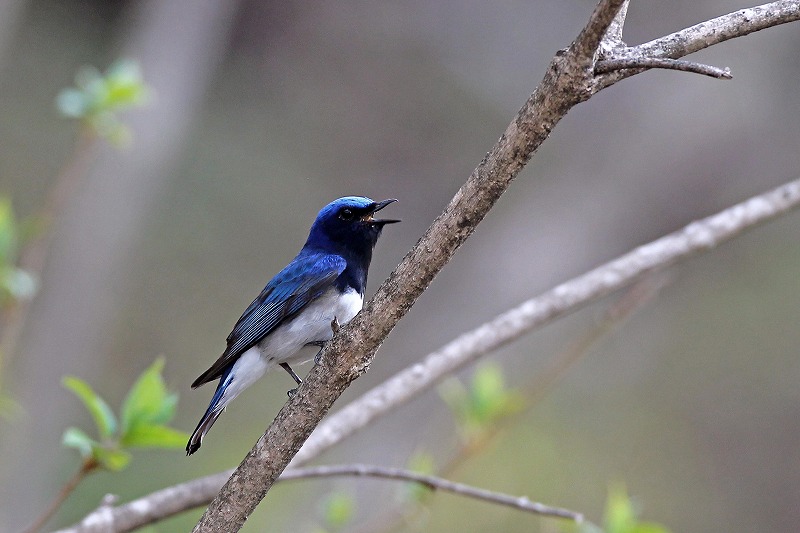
x,y
302,281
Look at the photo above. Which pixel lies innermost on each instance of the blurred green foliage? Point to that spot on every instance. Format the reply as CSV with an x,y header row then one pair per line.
x,y
146,411
15,283
621,516
99,97
338,510
485,402
421,463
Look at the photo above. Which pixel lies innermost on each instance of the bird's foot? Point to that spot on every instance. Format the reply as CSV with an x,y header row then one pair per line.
x,y
292,392
335,325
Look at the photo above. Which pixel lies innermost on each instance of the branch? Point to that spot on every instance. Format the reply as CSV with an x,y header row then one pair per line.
x,y
610,65
697,237
62,495
700,36
567,82
721,29
434,483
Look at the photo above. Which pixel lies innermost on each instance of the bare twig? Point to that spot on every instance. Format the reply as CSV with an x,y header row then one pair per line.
x,y
720,29
619,311
566,298
62,495
694,38
33,256
434,483
610,65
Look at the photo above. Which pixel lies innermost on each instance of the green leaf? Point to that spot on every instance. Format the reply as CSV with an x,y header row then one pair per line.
x,y
154,436
111,458
148,401
102,414
422,463
8,232
339,509
620,516
455,395
169,403
9,409
19,284
124,84
98,98
488,393
73,103
75,438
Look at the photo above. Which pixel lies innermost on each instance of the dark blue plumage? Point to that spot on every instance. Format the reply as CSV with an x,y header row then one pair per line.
x,y
324,283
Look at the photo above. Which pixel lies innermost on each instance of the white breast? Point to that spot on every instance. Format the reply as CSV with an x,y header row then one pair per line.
x,y
312,325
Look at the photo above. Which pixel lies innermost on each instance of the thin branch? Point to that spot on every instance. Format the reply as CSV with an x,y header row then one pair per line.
x,y
610,65
694,38
33,255
721,29
434,483
697,237
62,495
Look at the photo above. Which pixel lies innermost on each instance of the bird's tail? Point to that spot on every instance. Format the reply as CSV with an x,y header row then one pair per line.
x,y
215,409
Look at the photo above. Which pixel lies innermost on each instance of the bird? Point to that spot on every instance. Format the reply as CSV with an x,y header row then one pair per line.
x,y
322,287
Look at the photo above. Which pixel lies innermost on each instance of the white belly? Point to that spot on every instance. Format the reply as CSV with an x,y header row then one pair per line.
x,y
312,325
284,344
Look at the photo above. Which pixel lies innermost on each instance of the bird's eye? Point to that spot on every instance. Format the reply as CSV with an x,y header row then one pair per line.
x,y
346,214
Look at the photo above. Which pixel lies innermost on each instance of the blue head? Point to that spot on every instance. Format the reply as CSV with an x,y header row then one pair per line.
x,y
347,226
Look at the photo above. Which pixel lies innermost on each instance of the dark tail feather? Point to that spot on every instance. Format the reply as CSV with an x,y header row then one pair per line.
x,y
211,415
202,428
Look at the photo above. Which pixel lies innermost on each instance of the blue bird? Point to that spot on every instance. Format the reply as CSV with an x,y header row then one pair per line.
x,y
322,286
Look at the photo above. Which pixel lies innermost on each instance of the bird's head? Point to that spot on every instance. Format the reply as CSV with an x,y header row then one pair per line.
x,y
349,223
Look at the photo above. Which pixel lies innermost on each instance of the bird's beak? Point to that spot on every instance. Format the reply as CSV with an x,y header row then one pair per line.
x,y
377,207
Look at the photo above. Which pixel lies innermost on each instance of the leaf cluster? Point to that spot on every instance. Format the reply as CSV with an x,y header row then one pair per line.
x,y
478,407
99,97
142,423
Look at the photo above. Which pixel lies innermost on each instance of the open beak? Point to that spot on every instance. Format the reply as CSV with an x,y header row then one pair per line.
x,y
377,207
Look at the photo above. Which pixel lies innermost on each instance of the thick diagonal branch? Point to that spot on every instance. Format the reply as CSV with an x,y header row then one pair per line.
x,y
348,355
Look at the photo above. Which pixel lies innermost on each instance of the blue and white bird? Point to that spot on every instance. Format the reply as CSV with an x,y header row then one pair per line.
x,y
300,306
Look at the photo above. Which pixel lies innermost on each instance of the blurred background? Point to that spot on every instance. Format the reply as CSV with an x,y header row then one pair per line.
x,y
262,112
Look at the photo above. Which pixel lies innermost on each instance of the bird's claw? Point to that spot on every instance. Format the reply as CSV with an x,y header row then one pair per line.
x,y
292,392
335,325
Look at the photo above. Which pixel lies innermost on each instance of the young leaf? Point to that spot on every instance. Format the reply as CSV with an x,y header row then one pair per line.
x,y
75,438
111,458
102,414
146,400
154,436
19,284
620,517
339,509
8,232
422,463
